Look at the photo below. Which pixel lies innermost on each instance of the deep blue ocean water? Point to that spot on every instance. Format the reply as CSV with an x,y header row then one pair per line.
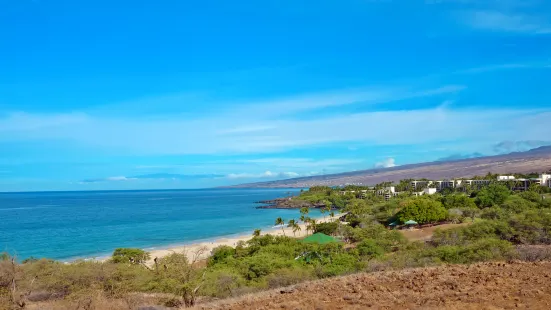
x,y
69,225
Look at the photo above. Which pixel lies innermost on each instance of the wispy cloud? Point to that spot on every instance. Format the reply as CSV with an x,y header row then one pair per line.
x,y
266,175
518,146
108,179
154,176
459,156
506,22
387,163
252,128
181,136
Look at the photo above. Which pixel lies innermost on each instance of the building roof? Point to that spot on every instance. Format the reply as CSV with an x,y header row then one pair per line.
x,y
319,238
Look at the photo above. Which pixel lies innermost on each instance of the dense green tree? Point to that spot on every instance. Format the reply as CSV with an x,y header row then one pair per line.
x,y
492,195
329,228
457,201
256,232
422,210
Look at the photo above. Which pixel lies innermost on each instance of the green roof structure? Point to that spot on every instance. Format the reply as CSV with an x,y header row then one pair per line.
x,y
319,238
411,222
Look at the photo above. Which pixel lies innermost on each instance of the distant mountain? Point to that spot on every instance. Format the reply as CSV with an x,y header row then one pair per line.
x,y
535,160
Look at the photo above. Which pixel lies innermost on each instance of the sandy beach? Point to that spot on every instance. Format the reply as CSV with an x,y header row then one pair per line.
x,y
202,250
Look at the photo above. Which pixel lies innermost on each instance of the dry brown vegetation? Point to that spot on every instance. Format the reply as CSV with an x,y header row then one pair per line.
x,y
478,286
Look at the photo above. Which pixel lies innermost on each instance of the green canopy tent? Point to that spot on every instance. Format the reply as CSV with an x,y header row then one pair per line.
x,y
319,238
411,222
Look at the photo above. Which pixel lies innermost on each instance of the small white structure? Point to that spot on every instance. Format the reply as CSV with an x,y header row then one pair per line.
x,y
429,191
388,192
505,177
545,180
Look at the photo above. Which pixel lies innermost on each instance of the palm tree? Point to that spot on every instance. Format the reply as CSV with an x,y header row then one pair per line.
x,y
306,220
312,225
256,233
332,214
329,209
291,224
296,227
322,210
280,221
304,211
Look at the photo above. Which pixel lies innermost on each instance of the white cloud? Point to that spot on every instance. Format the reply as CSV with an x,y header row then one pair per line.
x,y
507,22
387,163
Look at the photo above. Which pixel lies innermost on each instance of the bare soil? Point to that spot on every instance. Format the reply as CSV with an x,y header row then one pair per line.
x,y
480,286
423,234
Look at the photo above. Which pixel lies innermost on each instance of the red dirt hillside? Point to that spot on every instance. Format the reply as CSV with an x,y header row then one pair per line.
x,y
478,286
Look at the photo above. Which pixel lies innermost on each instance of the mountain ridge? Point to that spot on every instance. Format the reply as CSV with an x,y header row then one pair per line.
x,y
534,160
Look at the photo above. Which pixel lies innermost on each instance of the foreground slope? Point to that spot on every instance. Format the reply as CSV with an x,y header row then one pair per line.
x,y
478,286
536,160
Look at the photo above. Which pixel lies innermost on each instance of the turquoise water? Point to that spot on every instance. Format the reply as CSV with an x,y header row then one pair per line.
x,y
69,225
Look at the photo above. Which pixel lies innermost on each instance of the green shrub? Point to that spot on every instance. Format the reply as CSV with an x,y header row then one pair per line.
x,y
222,282
130,255
339,264
219,254
370,249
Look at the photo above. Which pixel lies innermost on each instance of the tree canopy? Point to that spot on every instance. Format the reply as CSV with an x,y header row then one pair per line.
x,y
422,210
492,195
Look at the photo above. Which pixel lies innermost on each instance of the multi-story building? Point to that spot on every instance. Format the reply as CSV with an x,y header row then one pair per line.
x,y
440,185
388,192
524,184
420,184
476,183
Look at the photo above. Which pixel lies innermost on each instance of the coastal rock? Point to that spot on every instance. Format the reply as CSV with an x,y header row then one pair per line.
x,y
287,203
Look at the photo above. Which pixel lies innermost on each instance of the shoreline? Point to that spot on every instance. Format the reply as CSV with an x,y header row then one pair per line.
x,y
197,251
205,246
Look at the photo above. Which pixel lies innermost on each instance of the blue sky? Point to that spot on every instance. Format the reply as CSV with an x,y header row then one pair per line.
x,y
193,94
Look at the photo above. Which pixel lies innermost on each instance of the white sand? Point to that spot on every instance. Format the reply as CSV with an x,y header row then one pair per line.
x,y
202,250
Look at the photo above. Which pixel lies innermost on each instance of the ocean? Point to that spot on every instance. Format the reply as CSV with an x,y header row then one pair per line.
x,y
72,225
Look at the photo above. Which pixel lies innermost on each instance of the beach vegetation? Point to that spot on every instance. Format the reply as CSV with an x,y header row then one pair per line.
x,y
257,232
130,255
